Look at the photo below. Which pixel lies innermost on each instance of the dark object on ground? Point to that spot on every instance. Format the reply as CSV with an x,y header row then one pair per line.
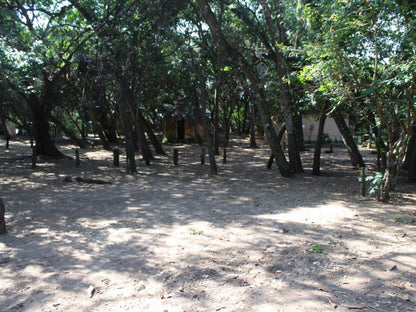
x,y
2,221
86,180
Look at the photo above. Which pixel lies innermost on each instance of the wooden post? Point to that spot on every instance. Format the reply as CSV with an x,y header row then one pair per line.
x,y
224,156
77,161
363,182
7,142
175,156
116,157
203,156
34,157
2,221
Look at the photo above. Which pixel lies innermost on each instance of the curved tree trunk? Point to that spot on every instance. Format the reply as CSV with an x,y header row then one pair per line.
x,y
316,167
349,142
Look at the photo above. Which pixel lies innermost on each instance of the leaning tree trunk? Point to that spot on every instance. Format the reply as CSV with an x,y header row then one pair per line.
x,y
233,56
316,167
68,132
41,115
143,143
152,137
349,142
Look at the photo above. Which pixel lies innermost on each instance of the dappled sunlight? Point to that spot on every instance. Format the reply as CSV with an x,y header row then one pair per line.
x,y
177,234
322,214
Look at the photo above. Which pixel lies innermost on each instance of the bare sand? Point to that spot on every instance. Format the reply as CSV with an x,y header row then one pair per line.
x,y
175,238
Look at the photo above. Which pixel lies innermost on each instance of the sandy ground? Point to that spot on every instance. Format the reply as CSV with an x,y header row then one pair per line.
x,y
174,238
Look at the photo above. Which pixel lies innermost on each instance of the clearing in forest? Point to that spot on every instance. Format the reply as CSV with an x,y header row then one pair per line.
x,y
174,238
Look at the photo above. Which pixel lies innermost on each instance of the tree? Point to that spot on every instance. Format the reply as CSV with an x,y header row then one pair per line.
x,y
363,58
40,46
234,57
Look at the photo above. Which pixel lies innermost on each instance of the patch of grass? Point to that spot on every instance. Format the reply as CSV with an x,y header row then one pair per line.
x,y
316,249
398,220
195,232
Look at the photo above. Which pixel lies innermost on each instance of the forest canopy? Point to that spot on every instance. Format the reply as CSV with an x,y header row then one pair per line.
x,y
116,68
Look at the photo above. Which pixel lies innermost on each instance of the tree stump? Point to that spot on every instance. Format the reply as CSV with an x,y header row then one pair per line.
x,y
116,157
33,157
363,186
203,156
77,161
175,156
2,221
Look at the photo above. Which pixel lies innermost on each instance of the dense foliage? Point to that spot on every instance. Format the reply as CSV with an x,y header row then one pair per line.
x,y
115,68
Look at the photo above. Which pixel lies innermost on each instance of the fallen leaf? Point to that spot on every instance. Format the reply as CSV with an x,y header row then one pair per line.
x,y
333,305
285,230
393,267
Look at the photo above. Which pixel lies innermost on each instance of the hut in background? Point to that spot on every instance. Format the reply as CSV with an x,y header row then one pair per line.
x,y
182,123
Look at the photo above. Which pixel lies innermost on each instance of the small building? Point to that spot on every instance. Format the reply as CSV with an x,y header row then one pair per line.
x,y
310,126
182,123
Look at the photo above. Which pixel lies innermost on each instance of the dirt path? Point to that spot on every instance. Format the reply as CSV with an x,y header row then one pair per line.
x,y
177,239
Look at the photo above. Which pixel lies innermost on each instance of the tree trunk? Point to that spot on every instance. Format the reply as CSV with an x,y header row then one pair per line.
x,y
97,127
316,167
216,118
253,143
234,57
299,132
123,104
68,133
389,177
411,157
41,115
293,147
2,221
349,142
3,123
285,89
142,140
203,98
152,137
